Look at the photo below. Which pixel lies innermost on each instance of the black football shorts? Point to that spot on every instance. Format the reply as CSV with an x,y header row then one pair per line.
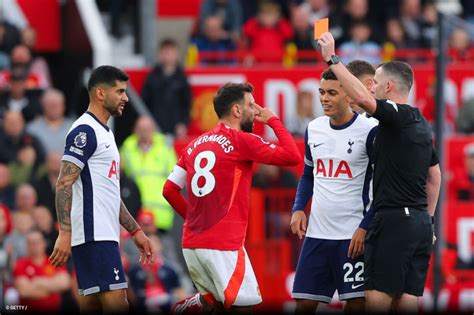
x,y
397,251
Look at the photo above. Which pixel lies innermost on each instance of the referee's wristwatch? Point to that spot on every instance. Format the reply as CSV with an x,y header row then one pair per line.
x,y
333,61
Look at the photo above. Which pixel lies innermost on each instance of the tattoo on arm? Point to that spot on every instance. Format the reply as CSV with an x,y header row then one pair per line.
x,y
68,174
126,219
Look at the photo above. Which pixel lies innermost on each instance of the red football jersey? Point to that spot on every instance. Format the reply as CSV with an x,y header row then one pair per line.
x,y
25,267
218,170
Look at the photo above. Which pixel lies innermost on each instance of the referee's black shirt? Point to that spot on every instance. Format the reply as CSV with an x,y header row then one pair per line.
x,y
403,154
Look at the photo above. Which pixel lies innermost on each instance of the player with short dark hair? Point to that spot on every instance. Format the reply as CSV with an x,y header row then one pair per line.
x,y
337,175
365,72
407,179
88,204
217,169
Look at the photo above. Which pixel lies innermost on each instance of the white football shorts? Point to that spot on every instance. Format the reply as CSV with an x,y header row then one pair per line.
x,y
227,275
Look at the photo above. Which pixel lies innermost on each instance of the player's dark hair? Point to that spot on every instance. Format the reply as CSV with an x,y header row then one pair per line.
x,y
229,94
168,42
401,72
107,75
328,75
360,68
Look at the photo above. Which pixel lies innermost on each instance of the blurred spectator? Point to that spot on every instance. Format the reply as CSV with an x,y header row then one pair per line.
x,y
429,25
22,151
214,39
266,35
9,38
38,282
18,98
354,11
5,251
229,11
5,223
360,46
304,113
303,32
22,60
157,286
11,12
464,176
25,199
459,45
45,186
129,192
45,224
38,63
7,192
410,15
167,93
148,158
51,128
465,119
317,9
271,176
22,224
396,36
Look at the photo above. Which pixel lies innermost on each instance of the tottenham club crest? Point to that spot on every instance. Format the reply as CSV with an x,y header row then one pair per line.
x,y
350,143
80,140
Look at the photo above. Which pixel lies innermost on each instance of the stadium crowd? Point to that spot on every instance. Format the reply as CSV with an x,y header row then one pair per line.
x,y
34,123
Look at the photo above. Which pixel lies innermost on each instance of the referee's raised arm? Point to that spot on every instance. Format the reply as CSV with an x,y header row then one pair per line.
x,y
351,85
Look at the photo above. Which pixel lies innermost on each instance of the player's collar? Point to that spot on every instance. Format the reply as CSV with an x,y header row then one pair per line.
x,y
97,119
347,124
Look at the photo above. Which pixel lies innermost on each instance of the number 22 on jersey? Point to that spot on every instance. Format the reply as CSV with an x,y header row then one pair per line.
x,y
205,172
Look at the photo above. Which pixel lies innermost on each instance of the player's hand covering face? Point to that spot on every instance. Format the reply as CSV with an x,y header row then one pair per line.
x,y
263,114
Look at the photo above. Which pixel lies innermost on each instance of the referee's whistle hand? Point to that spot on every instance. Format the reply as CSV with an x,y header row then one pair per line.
x,y
62,249
298,223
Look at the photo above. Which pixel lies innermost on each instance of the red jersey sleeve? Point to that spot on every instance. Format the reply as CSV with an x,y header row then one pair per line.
x,y
172,188
255,148
285,29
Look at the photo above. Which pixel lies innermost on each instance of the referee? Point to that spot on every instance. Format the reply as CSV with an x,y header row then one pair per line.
x,y
407,179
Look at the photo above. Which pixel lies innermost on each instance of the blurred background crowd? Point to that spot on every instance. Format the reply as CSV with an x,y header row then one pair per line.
x,y
42,92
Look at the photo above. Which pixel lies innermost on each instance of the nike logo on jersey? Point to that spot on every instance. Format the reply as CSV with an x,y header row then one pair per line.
x,y
317,145
356,286
107,146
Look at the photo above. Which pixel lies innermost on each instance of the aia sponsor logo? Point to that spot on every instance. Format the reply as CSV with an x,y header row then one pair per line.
x,y
333,169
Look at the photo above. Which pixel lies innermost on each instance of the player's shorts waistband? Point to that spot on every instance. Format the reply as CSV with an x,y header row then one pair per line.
x,y
405,210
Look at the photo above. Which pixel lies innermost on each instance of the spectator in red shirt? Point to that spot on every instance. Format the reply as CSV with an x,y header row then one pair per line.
x,y
265,35
464,177
38,282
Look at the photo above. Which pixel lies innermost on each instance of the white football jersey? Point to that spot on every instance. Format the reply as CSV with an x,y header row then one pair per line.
x,y
342,175
96,193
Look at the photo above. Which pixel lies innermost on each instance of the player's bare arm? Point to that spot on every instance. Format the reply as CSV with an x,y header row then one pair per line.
x,y
353,87
298,223
141,240
68,174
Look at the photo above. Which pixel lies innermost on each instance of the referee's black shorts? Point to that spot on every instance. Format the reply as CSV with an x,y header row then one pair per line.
x,y
397,251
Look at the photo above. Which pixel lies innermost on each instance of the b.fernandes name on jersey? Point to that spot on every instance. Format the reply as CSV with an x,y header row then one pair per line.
x,y
220,139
